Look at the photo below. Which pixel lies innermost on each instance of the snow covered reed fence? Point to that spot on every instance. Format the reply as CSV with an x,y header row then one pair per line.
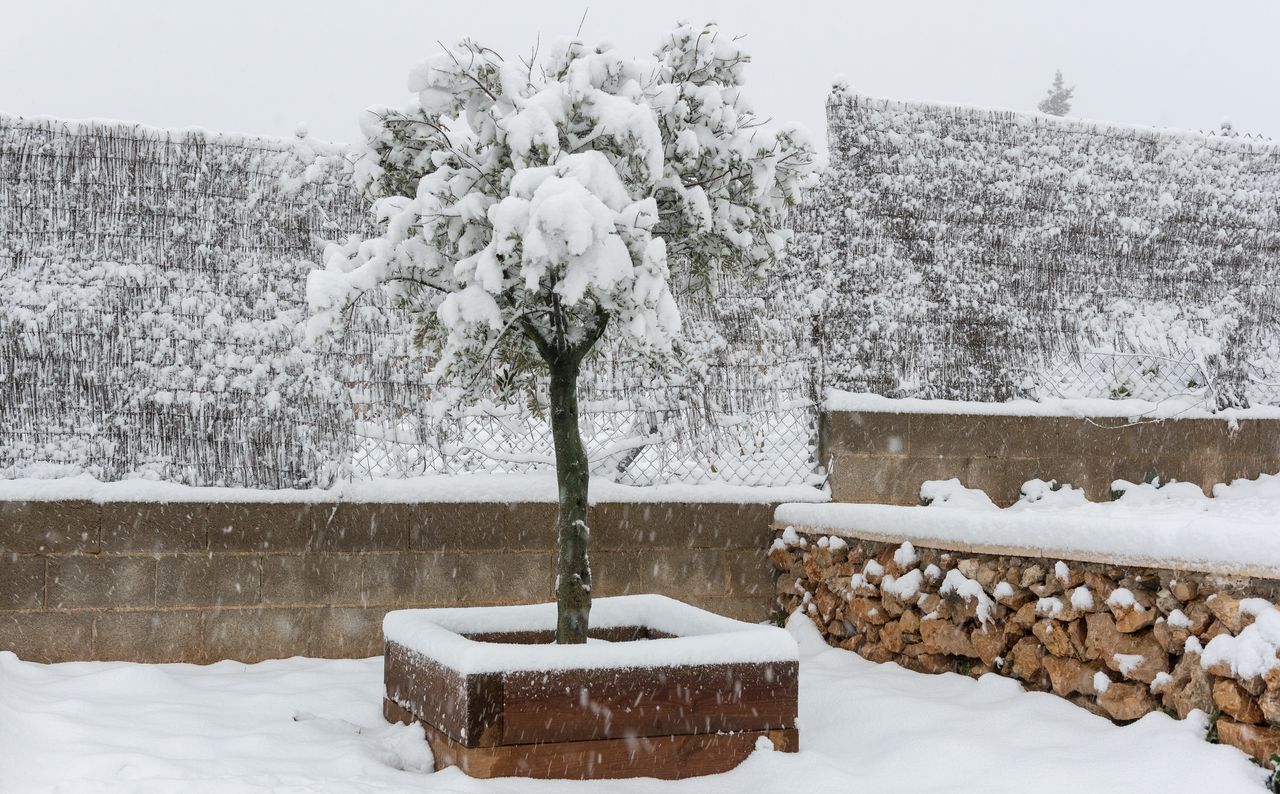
x,y
982,255
151,290
151,280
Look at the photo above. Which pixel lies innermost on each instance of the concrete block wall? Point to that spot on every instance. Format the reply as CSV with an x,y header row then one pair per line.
x,y
884,457
199,582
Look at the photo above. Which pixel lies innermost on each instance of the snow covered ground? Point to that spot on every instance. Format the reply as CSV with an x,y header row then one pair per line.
x,y
314,725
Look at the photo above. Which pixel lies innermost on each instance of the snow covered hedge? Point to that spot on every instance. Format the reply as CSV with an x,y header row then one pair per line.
x,y
976,254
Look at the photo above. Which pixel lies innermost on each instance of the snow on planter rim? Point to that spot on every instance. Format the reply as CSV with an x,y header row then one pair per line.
x,y
1190,540
702,637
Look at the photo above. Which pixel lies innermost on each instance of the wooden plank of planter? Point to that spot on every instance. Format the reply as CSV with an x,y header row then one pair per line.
x,y
580,705
466,707
666,757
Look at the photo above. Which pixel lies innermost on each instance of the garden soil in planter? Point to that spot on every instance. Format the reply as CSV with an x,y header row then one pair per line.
x,y
663,689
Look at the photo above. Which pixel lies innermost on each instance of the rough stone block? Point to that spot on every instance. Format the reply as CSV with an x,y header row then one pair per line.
x,y
100,582
152,637
21,581
199,580
1255,740
48,527
47,637
154,527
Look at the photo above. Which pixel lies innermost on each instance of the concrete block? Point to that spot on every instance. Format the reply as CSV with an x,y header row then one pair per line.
x,y
152,637
263,526
750,573
346,632
48,527
154,527
617,573
890,480
437,577
252,634
679,525
310,579
502,577
199,580
520,526
363,526
387,578
689,572
21,581
47,637
752,609
78,581
866,433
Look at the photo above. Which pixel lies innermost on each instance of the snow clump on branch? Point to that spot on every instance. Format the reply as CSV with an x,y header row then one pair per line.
x,y
526,209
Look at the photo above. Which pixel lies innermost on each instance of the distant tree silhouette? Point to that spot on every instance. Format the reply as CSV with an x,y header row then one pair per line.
x,y
1057,101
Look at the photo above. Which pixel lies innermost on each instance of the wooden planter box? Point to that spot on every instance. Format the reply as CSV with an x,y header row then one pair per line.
x,y
664,689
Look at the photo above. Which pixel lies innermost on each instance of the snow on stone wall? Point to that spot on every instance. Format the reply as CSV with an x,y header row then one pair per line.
x,y
151,289
979,254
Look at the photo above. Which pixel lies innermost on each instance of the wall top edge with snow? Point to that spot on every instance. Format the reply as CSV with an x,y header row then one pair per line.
x,y
1082,407
461,488
1175,526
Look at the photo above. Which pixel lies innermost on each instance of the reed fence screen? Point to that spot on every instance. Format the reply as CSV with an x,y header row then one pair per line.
x,y
151,300
152,297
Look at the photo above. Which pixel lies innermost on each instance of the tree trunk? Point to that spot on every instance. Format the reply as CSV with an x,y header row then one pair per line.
x,y
573,571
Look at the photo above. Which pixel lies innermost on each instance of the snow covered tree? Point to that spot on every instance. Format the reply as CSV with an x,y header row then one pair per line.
x,y
528,209
1057,101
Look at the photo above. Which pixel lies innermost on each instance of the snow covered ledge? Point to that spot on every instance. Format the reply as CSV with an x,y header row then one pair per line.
x,y
497,697
1124,608
1173,526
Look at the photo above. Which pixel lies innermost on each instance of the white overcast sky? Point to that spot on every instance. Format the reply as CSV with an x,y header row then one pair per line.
x,y
263,66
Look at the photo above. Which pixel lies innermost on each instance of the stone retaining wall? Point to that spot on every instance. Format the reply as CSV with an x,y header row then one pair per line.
x,y
197,582
883,457
1120,642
